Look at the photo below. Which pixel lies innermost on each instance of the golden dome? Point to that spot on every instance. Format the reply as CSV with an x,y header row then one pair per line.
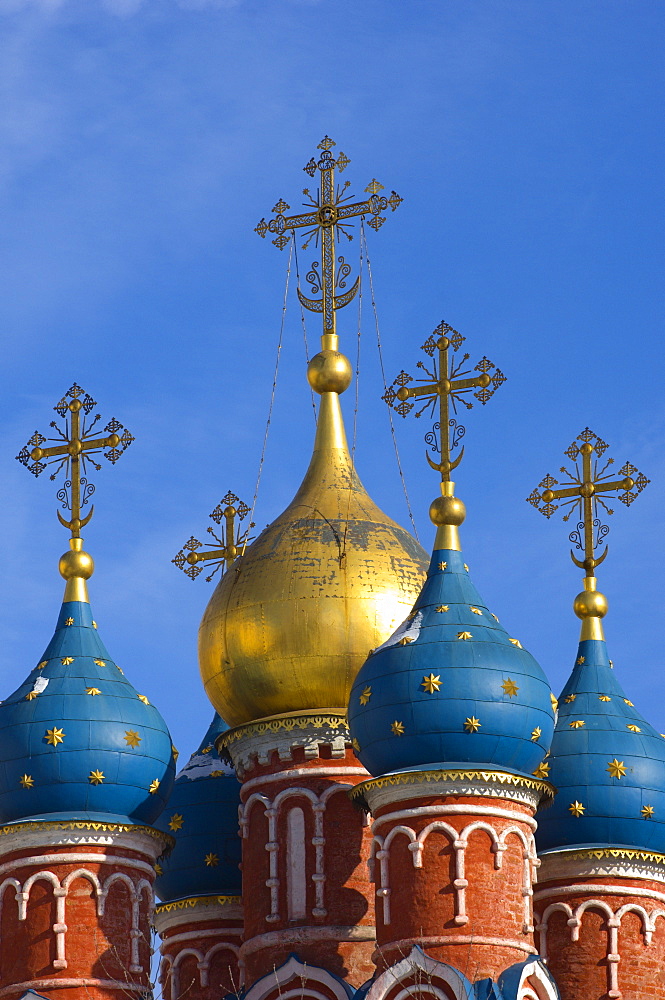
x,y
292,621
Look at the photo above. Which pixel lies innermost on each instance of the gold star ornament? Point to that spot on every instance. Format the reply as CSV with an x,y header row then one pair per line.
x,y
579,661
158,869
31,695
536,734
647,811
570,698
633,729
142,697
442,565
397,728
517,643
464,635
40,666
577,723
616,768
405,640
100,663
365,695
542,771
66,660
431,683
510,688
154,786
132,738
96,777
70,621
476,611
472,724
211,860
54,736
443,607
604,697
26,781
355,744
176,822
576,808
92,691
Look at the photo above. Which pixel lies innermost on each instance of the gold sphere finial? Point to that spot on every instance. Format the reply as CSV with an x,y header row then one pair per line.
x,y
76,566
329,371
591,606
447,512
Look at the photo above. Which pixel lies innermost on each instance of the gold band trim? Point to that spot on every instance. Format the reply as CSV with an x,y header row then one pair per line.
x,y
188,904
418,777
282,724
94,826
600,853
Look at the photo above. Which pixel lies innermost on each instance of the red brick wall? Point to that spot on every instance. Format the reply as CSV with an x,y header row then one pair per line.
x,y
223,975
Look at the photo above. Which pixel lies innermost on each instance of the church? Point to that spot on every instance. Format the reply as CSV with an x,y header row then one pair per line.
x,y
390,801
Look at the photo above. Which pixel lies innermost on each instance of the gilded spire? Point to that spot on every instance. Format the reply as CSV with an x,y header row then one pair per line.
x,y
74,449
588,485
448,381
327,215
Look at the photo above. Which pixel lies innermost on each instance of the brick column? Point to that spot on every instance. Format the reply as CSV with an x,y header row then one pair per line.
x,y
598,922
76,905
305,847
201,940
454,862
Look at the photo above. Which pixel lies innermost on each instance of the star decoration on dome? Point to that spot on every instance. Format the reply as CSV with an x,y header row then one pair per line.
x,y
365,695
516,642
476,611
431,683
176,822
616,768
176,754
66,660
542,771
100,663
472,724
158,869
96,777
120,669
494,617
577,723
647,811
536,734
40,666
604,697
405,640
442,565
576,808
207,749
154,786
55,736
629,703
464,635
211,860
31,695
216,774
92,691
94,624
132,738
443,607
579,661
142,697
355,744
26,781
555,703
510,688
397,728
633,728
70,621
570,698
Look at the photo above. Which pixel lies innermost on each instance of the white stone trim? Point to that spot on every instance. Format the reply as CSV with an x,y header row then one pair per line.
x,y
54,984
165,920
302,772
405,944
304,975
569,866
45,837
418,963
272,807
75,859
453,809
251,747
380,795
614,918
460,841
296,935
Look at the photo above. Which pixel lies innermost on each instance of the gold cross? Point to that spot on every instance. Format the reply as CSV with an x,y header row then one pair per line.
x,y
76,448
581,494
326,217
228,545
446,382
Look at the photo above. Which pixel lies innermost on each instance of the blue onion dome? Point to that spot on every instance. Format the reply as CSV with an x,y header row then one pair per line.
x,y
78,741
451,686
607,762
202,816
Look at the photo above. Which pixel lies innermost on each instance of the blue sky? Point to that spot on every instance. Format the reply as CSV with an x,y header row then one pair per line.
x,y
141,142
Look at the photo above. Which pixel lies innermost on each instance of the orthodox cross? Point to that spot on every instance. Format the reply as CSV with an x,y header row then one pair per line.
x,y
447,383
230,508
75,449
327,216
583,490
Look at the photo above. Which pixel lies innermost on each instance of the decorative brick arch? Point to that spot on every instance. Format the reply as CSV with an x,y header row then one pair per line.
x,y
422,976
295,979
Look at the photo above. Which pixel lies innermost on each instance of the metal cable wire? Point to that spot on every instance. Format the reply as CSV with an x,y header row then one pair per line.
x,y
304,326
363,244
272,395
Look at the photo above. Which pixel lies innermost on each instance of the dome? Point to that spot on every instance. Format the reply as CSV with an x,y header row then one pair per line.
x,y
291,622
451,686
78,741
202,816
607,763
